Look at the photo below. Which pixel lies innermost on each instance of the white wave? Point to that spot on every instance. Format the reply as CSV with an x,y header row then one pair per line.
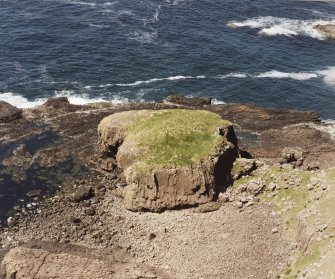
x,y
328,75
143,36
179,77
217,102
296,76
326,126
233,75
98,25
273,26
20,101
81,3
77,99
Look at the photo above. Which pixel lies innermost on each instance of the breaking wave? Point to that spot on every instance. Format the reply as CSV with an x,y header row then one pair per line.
x,y
20,101
274,26
296,76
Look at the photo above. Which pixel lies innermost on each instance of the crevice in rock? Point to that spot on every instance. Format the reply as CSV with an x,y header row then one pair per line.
x,y
222,171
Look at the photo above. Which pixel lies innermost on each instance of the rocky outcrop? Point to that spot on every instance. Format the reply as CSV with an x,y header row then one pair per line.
x,y
185,101
326,30
162,184
8,112
51,260
57,102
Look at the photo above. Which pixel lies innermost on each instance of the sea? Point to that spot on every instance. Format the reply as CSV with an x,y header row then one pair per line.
x,y
262,52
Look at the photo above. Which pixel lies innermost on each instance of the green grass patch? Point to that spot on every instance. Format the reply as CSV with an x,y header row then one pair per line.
x,y
176,137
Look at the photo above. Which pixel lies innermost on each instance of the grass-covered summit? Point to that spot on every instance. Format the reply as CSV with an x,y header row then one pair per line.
x,y
176,137
169,157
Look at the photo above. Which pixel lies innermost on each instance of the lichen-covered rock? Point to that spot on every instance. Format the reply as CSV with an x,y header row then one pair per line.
x,y
170,158
8,112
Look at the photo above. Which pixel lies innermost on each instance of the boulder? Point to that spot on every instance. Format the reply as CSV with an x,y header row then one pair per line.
x,y
57,103
188,101
293,155
326,30
170,158
83,193
8,112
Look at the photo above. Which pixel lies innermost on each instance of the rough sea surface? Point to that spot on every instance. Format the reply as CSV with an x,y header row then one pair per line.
x,y
262,52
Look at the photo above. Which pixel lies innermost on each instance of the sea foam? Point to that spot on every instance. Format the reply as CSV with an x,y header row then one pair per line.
x,y
275,26
296,76
20,101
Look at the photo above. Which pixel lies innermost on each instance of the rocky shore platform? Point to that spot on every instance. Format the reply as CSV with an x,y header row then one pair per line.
x,y
63,211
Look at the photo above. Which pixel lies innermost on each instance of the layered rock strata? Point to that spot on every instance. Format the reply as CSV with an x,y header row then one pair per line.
x,y
183,163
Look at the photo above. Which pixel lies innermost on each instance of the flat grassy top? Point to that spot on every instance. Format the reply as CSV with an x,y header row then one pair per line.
x,y
176,137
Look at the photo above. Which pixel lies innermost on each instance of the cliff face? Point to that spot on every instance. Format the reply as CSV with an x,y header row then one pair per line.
x,y
170,158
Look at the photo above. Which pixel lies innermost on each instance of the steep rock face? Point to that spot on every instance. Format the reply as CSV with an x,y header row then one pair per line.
x,y
170,158
326,30
8,112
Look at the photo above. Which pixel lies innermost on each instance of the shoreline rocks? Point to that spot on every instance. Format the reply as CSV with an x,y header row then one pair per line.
x,y
8,112
326,30
238,223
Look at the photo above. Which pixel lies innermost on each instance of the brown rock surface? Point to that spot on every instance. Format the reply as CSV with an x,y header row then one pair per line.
x,y
326,30
167,186
8,112
51,260
182,100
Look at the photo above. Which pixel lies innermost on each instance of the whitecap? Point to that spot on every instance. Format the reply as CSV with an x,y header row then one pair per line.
x,y
172,78
280,75
77,99
81,3
328,75
277,26
233,75
217,102
143,36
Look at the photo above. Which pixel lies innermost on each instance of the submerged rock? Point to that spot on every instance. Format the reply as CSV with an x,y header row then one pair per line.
x,y
194,101
326,30
8,112
170,158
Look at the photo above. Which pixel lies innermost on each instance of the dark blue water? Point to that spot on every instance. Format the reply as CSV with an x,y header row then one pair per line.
x,y
146,50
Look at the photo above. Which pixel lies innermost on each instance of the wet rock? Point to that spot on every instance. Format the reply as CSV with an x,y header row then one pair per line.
x,y
57,103
194,101
12,221
33,193
83,193
8,112
326,30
